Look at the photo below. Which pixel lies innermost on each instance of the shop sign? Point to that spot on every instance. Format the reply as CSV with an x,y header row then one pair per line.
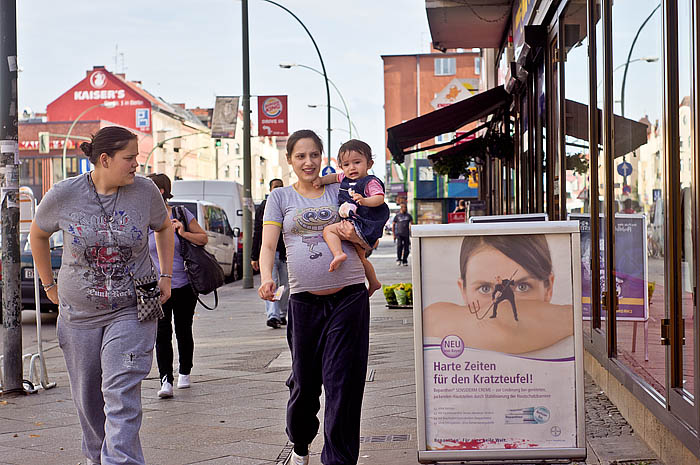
x,y
496,379
143,119
522,12
631,268
456,91
272,115
54,144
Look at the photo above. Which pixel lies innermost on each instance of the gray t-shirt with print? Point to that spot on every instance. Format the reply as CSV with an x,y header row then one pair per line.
x,y
94,284
302,221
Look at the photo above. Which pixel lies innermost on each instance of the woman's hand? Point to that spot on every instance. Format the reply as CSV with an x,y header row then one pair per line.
x,y
52,294
266,291
346,231
164,286
177,224
254,264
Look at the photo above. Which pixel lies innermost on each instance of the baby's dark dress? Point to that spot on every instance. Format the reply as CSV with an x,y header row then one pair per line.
x,y
369,221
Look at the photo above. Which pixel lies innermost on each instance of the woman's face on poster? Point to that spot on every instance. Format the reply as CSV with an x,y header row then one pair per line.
x,y
487,267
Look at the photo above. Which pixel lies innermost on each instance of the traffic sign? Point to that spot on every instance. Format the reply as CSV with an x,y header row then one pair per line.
x,y
626,189
327,170
624,168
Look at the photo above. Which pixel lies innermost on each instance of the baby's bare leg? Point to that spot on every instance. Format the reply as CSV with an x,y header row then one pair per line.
x,y
330,235
371,275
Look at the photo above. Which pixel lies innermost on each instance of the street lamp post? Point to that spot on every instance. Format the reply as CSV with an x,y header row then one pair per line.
x,y
159,145
345,105
110,104
351,125
323,67
624,75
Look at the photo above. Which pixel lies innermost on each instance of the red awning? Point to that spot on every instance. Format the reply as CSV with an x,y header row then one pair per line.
x,y
444,120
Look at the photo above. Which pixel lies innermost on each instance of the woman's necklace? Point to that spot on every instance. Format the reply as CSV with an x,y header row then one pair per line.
x,y
108,217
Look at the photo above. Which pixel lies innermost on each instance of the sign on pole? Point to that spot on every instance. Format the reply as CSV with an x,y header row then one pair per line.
x,y
498,340
223,124
44,147
272,115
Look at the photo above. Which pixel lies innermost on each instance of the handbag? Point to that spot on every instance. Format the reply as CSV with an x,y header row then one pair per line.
x,y
148,297
203,271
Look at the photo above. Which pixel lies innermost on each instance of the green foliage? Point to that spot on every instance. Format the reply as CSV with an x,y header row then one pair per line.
x,y
577,163
390,293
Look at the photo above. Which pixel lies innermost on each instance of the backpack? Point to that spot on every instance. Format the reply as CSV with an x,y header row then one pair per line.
x,y
203,271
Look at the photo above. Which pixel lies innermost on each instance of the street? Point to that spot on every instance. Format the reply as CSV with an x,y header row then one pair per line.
x,y
234,413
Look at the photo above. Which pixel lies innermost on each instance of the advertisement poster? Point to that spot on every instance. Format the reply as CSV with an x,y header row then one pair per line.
x,y
630,265
224,119
272,115
498,332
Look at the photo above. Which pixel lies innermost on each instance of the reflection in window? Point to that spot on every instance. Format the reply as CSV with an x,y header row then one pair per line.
x,y
638,183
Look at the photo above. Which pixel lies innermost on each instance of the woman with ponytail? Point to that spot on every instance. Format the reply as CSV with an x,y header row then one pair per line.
x,y
105,216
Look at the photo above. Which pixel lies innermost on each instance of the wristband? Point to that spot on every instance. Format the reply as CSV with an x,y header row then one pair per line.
x,y
48,286
165,275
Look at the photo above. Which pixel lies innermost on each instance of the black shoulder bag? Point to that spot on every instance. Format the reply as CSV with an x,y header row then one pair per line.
x,y
203,271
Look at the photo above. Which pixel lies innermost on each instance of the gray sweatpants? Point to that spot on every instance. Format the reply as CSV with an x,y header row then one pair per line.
x,y
106,366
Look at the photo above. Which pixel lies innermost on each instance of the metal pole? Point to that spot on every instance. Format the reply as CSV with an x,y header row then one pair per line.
x,y
323,67
9,184
624,75
65,142
342,99
247,197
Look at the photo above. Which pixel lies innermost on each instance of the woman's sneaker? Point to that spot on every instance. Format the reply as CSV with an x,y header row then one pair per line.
x,y
183,381
295,459
166,388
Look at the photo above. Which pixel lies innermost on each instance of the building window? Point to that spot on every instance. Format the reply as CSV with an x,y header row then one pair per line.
x,y
447,137
477,65
445,66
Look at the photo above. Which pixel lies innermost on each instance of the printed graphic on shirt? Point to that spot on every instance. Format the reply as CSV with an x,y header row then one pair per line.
x,y
107,252
309,223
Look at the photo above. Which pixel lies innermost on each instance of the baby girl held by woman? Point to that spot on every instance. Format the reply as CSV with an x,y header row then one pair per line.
x,y
361,201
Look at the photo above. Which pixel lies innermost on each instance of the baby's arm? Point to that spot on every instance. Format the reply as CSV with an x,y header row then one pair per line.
x,y
372,201
327,179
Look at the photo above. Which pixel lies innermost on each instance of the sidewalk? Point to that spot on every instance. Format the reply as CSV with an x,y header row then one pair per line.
x,y
234,413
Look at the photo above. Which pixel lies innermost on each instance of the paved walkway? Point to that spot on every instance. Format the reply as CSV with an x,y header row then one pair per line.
x,y
234,412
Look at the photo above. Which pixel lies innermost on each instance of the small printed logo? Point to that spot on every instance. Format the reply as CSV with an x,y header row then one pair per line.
x,y
541,414
555,430
98,79
452,346
272,107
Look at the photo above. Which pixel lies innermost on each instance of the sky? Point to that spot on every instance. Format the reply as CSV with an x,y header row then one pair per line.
x,y
189,52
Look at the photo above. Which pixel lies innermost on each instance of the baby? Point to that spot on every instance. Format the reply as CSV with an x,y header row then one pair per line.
x,y
361,201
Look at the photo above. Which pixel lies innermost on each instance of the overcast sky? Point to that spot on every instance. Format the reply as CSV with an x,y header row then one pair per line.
x,y
189,52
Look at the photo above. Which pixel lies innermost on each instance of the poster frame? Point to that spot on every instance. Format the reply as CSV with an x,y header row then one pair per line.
x,y
645,253
501,456
509,218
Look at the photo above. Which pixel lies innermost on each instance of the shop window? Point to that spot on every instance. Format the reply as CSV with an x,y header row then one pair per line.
x,y
640,213
445,66
477,65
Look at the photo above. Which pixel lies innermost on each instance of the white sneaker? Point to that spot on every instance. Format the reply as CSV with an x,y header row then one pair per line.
x,y
295,459
166,389
183,381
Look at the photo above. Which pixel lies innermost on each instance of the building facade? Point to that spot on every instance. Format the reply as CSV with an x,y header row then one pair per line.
x,y
415,85
597,101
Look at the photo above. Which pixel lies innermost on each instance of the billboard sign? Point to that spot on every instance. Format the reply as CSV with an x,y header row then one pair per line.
x,y
272,115
223,124
498,340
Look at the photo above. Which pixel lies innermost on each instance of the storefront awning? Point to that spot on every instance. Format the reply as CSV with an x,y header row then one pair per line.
x,y
629,134
461,25
444,120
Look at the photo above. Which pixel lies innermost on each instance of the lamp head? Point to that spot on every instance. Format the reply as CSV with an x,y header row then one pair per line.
x,y
287,65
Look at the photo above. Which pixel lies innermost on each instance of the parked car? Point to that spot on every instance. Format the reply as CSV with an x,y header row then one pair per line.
x,y
27,272
223,239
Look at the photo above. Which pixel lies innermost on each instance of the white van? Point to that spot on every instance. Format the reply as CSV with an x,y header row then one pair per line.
x,y
223,239
227,194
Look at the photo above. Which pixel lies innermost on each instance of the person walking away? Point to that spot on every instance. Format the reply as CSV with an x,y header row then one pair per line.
x,y
276,310
461,207
180,307
328,330
104,216
402,234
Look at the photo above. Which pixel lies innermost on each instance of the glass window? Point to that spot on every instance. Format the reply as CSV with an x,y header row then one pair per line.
x,y
477,65
447,137
576,138
638,184
445,66
687,159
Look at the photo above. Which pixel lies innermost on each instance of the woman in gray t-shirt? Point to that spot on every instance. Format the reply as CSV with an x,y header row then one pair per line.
x,y
328,313
105,216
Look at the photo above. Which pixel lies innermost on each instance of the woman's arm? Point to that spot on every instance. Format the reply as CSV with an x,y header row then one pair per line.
x,y
41,251
271,234
195,234
165,245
